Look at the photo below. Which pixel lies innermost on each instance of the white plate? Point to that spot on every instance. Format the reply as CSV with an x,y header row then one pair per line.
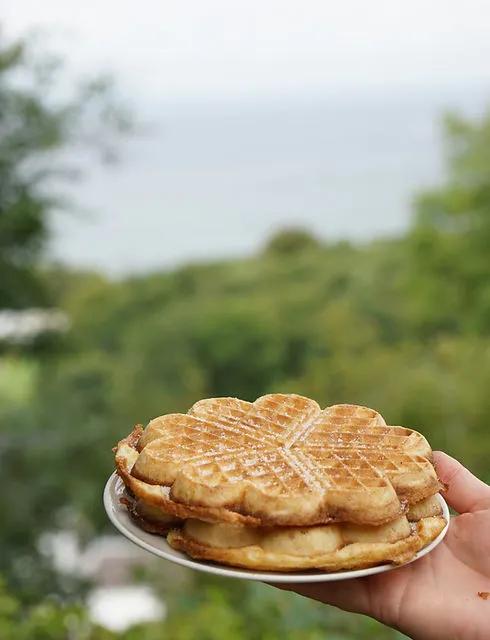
x,y
159,546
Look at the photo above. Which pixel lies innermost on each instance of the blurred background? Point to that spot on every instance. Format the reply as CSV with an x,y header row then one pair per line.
x,y
205,199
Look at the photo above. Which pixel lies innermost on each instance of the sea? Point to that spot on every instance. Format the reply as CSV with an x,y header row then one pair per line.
x,y
213,179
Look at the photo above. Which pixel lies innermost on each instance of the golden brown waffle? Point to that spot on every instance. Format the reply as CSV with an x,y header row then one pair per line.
x,y
333,547
278,461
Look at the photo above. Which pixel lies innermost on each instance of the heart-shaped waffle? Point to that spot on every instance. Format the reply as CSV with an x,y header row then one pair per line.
x,y
280,460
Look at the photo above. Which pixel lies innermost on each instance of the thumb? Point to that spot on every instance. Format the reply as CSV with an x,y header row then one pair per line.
x,y
464,492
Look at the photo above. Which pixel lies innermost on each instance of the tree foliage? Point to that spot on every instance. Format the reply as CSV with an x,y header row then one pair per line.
x,y
39,118
451,236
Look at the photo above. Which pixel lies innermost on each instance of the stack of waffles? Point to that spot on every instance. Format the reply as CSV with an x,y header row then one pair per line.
x,y
282,485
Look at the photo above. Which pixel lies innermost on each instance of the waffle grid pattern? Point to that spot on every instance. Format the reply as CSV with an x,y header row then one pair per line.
x,y
284,444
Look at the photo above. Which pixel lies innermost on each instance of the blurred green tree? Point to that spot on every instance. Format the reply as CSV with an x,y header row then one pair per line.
x,y
41,115
450,277
289,241
48,620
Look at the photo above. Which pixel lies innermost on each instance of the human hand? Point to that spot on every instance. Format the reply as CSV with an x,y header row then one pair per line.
x,y
442,596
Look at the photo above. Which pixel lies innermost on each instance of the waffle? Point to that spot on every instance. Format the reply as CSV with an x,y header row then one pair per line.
x,y
332,547
278,461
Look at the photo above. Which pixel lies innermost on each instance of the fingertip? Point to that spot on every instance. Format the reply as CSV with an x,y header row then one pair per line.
x,y
446,467
442,459
462,490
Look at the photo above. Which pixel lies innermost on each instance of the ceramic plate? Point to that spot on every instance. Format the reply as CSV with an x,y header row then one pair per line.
x,y
159,546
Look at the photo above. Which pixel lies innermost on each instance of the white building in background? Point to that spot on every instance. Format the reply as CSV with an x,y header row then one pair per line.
x,y
25,325
115,601
120,607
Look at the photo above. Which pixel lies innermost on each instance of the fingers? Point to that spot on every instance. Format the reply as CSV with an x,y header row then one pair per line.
x,y
465,492
350,595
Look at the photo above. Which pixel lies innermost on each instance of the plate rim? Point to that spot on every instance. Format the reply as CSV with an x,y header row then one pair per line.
x,y
114,510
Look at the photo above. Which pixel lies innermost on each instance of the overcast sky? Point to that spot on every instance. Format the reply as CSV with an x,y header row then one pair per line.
x,y
217,47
